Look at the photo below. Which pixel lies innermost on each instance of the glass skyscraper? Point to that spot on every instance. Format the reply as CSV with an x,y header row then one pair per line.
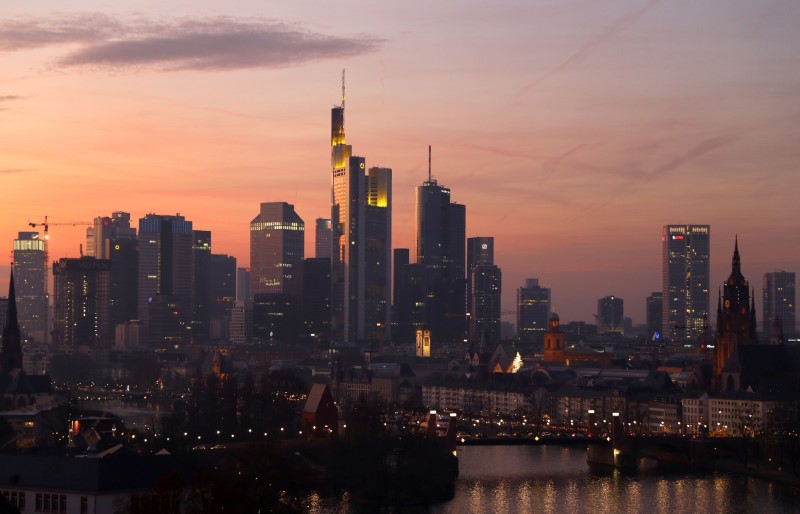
x,y
685,281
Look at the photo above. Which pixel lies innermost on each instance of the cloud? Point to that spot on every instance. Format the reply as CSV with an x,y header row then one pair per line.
x,y
13,171
588,47
220,43
8,98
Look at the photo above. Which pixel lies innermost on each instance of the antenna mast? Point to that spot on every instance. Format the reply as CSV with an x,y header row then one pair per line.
x,y
429,163
343,88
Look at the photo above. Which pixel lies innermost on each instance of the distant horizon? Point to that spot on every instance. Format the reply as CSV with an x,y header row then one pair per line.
x,y
571,130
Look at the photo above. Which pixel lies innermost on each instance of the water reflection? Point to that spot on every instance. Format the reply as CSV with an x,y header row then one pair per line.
x,y
521,479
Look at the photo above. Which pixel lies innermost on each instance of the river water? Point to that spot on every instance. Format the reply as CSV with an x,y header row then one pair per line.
x,y
522,479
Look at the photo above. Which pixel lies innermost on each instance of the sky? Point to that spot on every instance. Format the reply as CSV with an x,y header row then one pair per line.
x,y
572,130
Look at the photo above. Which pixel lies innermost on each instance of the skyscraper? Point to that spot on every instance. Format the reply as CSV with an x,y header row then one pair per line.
x,y
654,311
361,239
779,303
483,299
685,281
533,311
29,272
323,245
201,253
440,238
105,230
610,315
81,310
277,249
221,293
166,278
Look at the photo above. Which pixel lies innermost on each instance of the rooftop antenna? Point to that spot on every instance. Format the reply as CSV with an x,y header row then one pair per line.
x,y
343,88
429,163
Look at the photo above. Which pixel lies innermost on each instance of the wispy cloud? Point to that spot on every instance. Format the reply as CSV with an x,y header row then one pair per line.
x,y
14,171
8,98
587,48
220,43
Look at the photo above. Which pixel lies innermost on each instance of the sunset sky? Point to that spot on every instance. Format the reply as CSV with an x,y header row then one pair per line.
x,y
573,130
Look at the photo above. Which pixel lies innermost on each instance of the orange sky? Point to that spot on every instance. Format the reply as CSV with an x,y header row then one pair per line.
x,y
572,130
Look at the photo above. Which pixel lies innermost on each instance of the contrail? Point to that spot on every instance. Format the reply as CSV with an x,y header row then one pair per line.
x,y
587,48
551,165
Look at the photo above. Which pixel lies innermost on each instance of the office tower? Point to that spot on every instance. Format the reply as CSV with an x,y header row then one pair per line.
x,y
236,330
401,300
243,285
685,281
653,308
277,246
483,288
378,255
105,230
113,238
361,239
32,298
486,283
277,238
221,294
533,311
610,315
736,319
316,299
166,278
440,237
778,307
81,309
201,253
323,243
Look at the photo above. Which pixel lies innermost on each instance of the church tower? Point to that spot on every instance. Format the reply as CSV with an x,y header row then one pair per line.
x,y
11,356
736,318
554,341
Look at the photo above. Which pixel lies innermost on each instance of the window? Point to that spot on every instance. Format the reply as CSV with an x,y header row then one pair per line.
x,y
38,502
84,505
62,503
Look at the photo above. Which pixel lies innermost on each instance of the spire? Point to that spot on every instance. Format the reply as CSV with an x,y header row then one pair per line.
x,y
11,312
737,261
429,163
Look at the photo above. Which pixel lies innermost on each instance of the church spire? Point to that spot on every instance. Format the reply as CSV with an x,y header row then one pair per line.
x,y
736,268
11,356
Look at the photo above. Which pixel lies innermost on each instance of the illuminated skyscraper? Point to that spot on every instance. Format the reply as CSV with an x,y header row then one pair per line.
x,y
654,311
81,315
361,238
29,273
779,306
533,311
685,281
166,278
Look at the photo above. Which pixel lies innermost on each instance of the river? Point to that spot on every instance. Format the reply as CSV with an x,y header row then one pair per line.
x,y
522,479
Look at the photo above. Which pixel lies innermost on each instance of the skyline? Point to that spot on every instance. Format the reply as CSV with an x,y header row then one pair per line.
x,y
588,140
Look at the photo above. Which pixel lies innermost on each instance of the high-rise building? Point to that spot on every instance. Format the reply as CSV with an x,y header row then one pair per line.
x,y
316,300
81,309
685,281
533,311
736,319
361,240
277,248
486,283
440,238
483,288
32,297
221,294
779,306
100,236
201,253
610,315
323,244
166,278
243,285
654,311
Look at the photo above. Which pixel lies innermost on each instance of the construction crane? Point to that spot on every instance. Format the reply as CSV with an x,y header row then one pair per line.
x,y
46,226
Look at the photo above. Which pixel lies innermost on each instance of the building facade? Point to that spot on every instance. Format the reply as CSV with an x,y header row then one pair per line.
x,y
610,315
533,311
686,276
81,309
778,312
32,295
